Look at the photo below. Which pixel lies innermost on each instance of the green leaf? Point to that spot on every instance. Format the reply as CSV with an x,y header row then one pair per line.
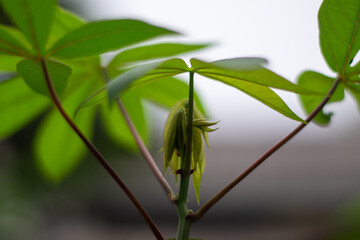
x,y
320,83
34,18
166,92
339,32
33,75
149,52
64,23
166,69
8,63
236,64
355,91
19,105
116,126
257,74
57,147
11,42
99,37
116,86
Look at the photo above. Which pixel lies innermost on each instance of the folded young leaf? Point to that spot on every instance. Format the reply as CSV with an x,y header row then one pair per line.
x,y
116,126
34,18
339,25
319,83
150,52
11,42
99,37
249,69
19,105
34,77
58,148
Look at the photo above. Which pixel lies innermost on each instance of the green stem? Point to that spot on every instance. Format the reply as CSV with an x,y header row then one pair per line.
x,y
181,205
97,154
196,216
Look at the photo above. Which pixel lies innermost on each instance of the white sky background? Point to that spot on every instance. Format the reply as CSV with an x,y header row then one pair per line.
x,y
283,31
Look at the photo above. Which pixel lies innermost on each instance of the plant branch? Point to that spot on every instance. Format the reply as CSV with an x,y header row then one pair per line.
x,y
145,152
97,154
196,216
143,149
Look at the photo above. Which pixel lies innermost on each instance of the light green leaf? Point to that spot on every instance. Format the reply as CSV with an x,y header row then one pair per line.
x,y
235,64
99,37
8,63
18,106
34,77
11,42
64,23
259,75
339,32
320,83
119,84
355,91
166,92
116,126
34,18
149,52
57,147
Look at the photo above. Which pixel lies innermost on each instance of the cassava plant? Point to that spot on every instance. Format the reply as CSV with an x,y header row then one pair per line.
x,y
52,60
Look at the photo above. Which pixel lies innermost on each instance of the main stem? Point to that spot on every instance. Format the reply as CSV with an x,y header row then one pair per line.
x,y
181,204
267,154
97,154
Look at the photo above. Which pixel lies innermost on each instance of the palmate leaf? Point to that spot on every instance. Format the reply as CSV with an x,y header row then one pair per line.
x,y
355,91
33,75
18,105
254,82
11,42
64,23
339,25
150,52
317,82
34,18
230,71
99,37
166,92
58,148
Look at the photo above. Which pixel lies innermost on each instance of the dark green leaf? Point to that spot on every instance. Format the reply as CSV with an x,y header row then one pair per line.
x,y
33,75
18,105
34,18
320,83
11,42
64,23
99,37
339,32
58,149
116,126
149,52
259,75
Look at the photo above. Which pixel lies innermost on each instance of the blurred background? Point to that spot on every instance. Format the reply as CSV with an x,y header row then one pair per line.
x,y
307,190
